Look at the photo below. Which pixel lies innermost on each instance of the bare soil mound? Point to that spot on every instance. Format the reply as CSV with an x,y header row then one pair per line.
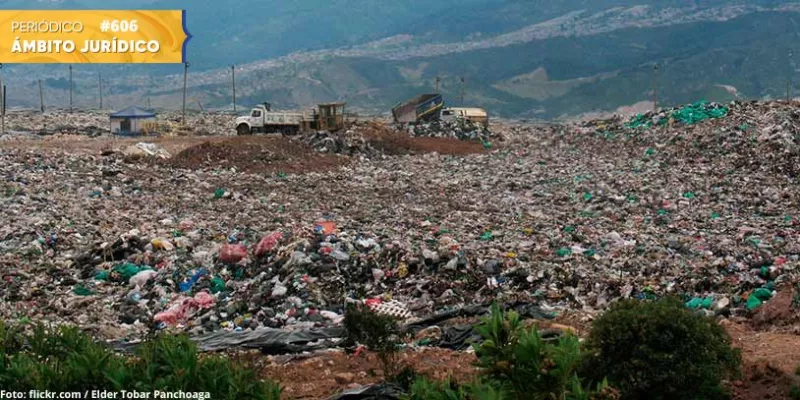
x,y
257,154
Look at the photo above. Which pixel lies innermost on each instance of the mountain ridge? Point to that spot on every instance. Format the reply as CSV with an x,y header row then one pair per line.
x,y
596,58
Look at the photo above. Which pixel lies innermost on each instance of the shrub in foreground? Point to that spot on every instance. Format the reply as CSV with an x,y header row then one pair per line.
x,y
660,350
65,359
517,363
379,333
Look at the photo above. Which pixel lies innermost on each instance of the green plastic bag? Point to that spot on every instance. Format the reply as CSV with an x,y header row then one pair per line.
x,y
707,303
694,303
753,302
126,271
217,285
563,252
81,290
762,294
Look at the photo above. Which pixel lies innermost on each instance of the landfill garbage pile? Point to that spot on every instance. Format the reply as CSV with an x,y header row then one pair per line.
x,y
95,123
751,135
348,142
377,139
686,115
89,123
200,124
565,219
461,129
143,149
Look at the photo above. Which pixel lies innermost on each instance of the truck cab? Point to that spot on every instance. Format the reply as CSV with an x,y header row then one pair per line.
x,y
250,123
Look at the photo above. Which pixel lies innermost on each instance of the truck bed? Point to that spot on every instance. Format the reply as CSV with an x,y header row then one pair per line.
x,y
285,118
419,108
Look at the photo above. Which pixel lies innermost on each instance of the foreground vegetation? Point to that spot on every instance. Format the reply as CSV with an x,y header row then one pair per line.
x,y
636,350
64,359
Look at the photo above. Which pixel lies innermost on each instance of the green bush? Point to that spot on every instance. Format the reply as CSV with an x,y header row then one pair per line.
x,y
523,365
379,333
65,359
423,389
516,363
660,350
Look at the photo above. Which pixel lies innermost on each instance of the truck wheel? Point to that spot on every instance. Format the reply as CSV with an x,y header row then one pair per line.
x,y
242,130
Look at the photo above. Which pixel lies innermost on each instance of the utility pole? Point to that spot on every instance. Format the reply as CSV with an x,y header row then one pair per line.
x,y
789,78
100,86
463,89
2,102
655,88
70,88
185,72
437,83
233,79
41,97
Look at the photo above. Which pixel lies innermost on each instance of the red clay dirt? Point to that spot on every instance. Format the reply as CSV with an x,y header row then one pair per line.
x,y
392,142
770,367
256,154
330,373
770,362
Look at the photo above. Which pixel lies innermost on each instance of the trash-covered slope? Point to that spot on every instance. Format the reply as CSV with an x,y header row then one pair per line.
x,y
563,217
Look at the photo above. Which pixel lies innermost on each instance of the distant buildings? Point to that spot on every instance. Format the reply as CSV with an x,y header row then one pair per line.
x,y
133,121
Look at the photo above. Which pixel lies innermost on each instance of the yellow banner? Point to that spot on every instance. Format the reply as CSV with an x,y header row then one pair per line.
x,y
93,36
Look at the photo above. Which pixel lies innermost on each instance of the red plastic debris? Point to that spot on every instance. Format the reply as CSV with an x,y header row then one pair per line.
x,y
268,243
232,253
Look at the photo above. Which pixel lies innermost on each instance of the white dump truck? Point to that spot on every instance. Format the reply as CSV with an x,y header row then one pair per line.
x,y
327,117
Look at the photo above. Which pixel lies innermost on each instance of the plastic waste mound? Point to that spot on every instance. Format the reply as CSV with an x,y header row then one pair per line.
x,y
350,142
686,115
459,129
146,150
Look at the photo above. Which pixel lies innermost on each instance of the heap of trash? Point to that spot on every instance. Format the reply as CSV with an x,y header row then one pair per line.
x,y
562,218
52,122
348,142
461,129
686,115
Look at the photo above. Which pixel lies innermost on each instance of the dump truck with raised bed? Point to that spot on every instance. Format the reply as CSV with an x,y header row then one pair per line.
x,y
424,107
476,115
326,117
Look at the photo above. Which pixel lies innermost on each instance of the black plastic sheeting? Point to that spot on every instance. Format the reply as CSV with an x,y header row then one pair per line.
x,y
458,337
268,340
278,341
461,337
271,341
525,310
381,391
